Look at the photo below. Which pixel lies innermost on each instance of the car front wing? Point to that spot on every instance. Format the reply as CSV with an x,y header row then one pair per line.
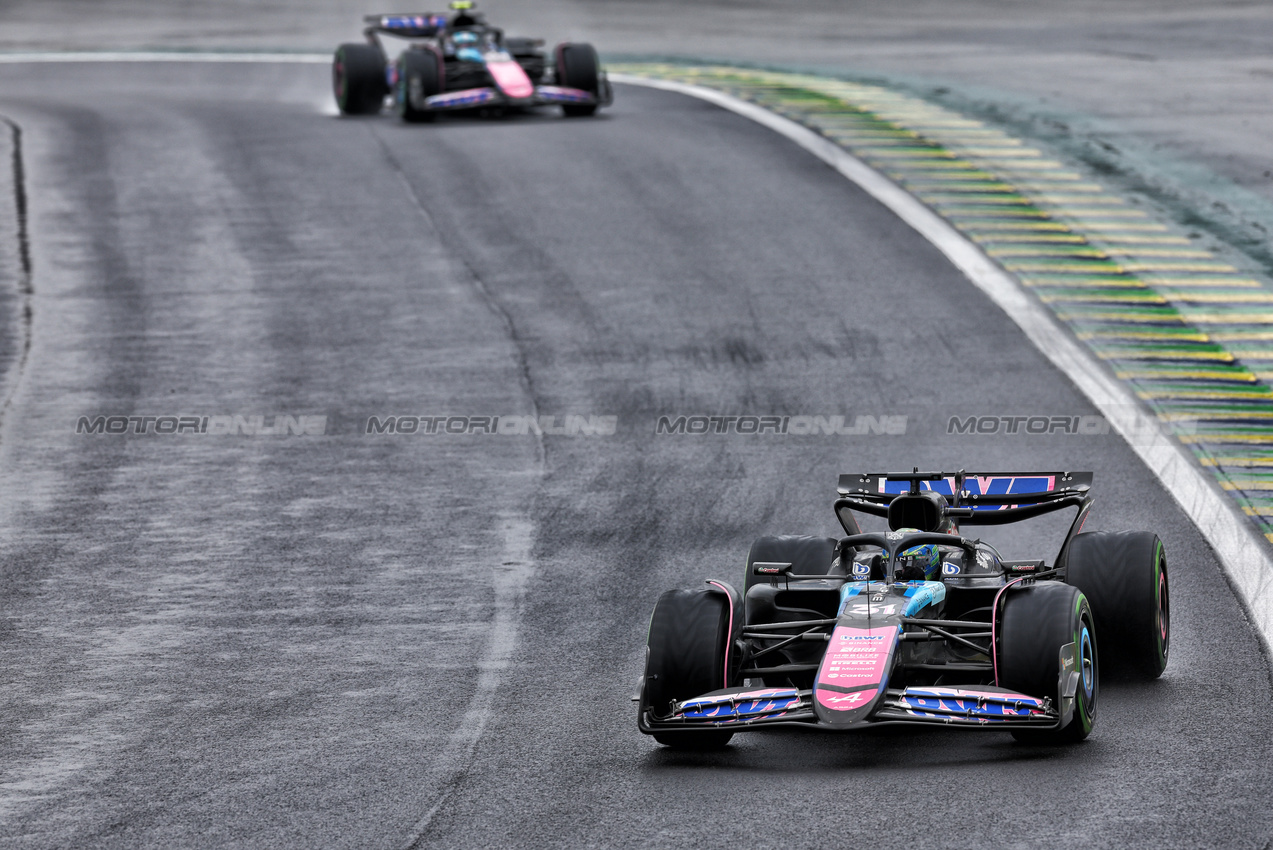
x,y
742,709
492,96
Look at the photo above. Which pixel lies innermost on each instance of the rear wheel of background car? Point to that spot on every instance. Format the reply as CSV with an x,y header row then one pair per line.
x,y
420,75
358,79
578,68
687,657
1036,622
1124,577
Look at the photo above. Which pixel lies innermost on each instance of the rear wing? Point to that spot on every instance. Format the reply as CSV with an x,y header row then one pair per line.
x,y
973,498
424,25
977,490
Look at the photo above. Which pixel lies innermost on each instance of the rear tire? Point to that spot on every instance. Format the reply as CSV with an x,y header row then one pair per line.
x,y
687,656
420,75
578,68
1124,577
358,79
1036,622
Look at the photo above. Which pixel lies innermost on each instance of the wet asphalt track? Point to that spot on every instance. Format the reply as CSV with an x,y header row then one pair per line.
x,y
212,640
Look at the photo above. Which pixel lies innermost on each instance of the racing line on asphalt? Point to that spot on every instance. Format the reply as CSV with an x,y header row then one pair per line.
x,y
18,193
509,577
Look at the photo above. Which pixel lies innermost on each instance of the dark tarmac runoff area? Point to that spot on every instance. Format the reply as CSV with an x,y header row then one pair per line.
x,y
346,639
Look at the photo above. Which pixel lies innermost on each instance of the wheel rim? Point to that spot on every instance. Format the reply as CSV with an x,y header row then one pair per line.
x,y
400,94
1087,667
1164,613
415,93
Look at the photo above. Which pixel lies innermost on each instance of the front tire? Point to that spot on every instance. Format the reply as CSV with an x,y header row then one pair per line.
x,y
688,656
1124,577
358,79
579,68
1037,621
420,75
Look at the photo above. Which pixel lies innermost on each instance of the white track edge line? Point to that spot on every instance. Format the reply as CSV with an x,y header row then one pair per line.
x,y
1242,552
244,57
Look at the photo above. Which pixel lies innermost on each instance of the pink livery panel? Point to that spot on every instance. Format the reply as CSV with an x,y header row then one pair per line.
x,y
854,672
510,78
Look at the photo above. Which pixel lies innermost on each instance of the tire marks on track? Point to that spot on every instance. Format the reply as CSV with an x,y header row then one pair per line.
x,y
24,271
509,578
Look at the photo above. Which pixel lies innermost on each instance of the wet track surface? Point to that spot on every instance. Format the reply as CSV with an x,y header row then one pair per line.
x,y
372,640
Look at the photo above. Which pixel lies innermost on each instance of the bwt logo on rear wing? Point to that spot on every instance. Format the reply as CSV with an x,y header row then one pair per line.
x,y
995,484
406,26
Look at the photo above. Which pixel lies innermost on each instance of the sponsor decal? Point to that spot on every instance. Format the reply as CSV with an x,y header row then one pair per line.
x,y
855,659
978,485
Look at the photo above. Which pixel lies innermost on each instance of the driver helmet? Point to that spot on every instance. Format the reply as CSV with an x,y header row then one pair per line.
x,y
919,563
464,16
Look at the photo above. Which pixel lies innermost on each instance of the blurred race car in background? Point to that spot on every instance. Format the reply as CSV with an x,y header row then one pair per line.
x,y
918,624
459,62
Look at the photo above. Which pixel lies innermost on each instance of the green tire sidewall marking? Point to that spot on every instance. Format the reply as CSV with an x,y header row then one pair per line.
x,y
1085,712
342,84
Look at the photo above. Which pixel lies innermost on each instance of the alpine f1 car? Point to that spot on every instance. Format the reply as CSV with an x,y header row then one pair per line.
x,y
459,62
919,624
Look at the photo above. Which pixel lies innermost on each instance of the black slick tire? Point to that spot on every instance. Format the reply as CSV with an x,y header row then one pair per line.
x,y
358,79
420,75
687,656
578,68
1124,577
1036,622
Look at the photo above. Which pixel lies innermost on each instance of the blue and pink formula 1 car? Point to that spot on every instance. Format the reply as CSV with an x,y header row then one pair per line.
x,y
458,62
917,624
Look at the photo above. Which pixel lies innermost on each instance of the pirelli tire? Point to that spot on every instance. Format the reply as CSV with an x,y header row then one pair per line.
x,y
1124,576
690,652
808,556
1036,622
358,79
421,74
579,68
